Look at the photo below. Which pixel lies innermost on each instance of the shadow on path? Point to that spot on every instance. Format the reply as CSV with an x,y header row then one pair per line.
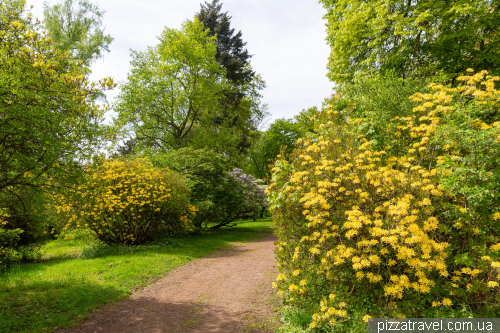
x,y
151,316
221,293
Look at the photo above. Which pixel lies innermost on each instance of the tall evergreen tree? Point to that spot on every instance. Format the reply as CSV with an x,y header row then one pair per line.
x,y
239,108
231,53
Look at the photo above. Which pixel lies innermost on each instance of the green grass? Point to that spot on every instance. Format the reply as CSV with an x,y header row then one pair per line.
x,y
75,277
294,320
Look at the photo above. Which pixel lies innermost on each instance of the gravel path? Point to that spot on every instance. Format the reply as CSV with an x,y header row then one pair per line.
x,y
226,292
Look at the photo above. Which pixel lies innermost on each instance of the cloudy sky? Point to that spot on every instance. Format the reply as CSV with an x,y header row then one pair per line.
x,y
286,37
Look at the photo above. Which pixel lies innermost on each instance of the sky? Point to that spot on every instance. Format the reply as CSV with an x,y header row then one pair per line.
x,y
286,38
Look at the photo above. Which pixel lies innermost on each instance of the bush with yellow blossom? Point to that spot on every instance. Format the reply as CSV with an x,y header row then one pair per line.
x,y
48,122
406,230
129,202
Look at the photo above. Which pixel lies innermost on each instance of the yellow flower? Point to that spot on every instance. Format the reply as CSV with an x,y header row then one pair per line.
x,y
447,302
314,250
492,284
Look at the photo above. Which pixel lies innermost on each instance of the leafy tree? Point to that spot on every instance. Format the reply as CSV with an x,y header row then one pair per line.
x,y
306,118
171,87
77,27
47,127
282,134
412,37
230,135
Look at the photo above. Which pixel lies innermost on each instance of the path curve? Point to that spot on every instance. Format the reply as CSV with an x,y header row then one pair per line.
x,y
226,292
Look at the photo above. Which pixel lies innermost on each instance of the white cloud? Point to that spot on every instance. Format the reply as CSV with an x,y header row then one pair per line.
x,y
286,37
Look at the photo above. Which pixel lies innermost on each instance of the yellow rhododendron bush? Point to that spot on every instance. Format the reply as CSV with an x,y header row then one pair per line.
x,y
405,230
128,202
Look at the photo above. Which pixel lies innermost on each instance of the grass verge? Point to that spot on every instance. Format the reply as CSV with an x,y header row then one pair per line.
x,y
76,277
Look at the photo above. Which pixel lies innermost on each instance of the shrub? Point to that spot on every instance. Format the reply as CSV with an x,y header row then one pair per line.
x,y
252,191
408,229
23,225
215,195
129,202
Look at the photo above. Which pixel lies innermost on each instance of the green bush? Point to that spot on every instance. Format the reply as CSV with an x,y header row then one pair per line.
x,y
218,196
23,225
129,202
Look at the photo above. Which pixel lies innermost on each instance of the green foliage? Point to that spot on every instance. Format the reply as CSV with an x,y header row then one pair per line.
x,y
306,119
218,196
76,27
233,128
280,134
47,126
299,319
376,100
406,229
471,164
129,202
24,228
411,38
171,87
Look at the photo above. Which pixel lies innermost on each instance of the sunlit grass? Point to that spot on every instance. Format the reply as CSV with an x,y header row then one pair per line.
x,y
75,277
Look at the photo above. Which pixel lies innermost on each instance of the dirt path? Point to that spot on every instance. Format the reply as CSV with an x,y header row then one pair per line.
x,y
226,292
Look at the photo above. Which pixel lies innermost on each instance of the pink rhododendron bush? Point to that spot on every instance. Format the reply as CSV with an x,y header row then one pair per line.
x,y
254,199
409,228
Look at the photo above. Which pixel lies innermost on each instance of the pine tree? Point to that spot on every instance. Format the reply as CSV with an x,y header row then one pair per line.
x,y
231,53
239,109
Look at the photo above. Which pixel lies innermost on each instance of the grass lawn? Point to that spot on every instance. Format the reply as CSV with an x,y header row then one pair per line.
x,y
76,277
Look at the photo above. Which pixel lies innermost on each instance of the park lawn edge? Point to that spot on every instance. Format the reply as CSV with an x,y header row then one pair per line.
x,y
63,292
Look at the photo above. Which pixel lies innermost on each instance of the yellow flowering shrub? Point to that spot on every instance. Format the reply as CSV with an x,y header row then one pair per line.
x,y
406,230
128,202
